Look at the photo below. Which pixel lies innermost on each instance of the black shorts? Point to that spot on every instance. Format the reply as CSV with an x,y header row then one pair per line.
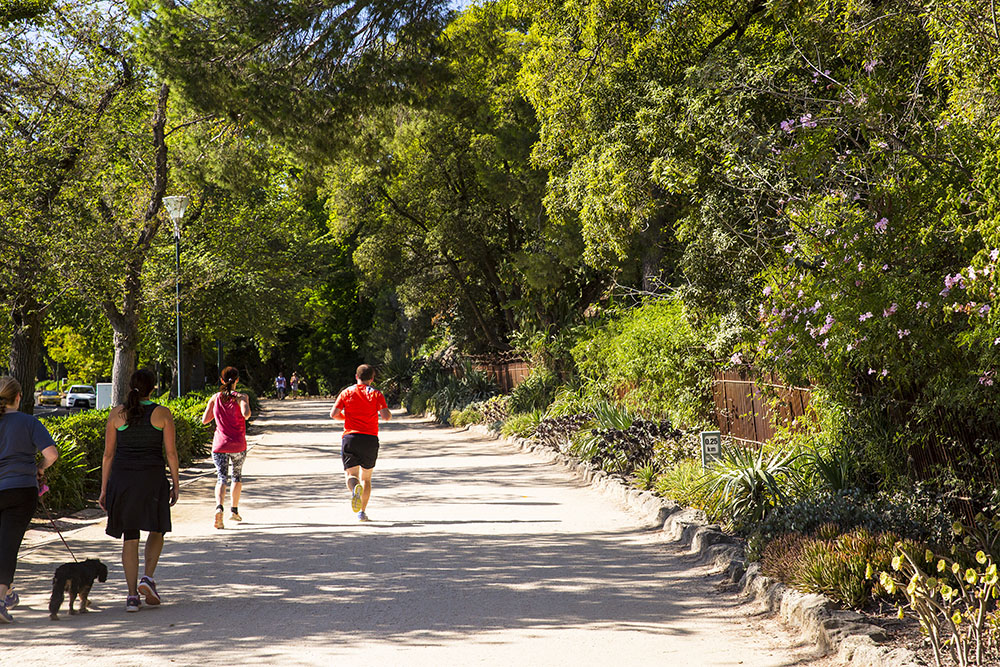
x,y
359,449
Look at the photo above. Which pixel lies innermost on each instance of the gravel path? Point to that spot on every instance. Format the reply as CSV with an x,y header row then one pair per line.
x,y
475,555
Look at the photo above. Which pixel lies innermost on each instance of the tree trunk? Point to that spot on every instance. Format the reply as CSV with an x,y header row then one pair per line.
x,y
126,344
25,348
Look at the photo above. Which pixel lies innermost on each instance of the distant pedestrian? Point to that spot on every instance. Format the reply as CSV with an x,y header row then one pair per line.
x,y
21,437
293,382
230,410
134,489
360,407
280,386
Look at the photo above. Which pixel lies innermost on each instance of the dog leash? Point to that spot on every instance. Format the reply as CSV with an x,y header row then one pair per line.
x,y
58,532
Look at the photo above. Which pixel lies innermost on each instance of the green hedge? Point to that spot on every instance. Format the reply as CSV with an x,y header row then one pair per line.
x,y
80,438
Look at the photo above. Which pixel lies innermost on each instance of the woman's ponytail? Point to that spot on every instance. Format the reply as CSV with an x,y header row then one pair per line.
x,y
228,379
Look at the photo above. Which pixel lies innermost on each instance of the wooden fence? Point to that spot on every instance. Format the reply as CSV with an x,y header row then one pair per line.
x,y
743,404
508,374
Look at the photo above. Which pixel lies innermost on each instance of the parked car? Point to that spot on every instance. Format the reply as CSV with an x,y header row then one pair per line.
x,y
49,397
80,396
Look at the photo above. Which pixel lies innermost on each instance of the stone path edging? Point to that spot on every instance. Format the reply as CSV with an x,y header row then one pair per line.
x,y
856,642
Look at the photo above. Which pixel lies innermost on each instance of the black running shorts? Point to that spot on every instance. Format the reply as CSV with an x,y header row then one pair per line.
x,y
359,449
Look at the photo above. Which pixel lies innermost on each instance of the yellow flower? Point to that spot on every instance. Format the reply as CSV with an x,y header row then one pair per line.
x,y
956,568
956,618
942,565
929,556
981,558
899,613
971,576
957,527
868,571
947,591
897,562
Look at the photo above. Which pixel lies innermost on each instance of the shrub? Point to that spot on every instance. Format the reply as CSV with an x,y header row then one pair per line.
x,y
832,564
624,450
80,438
557,432
85,431
746,485
684,483
521,425
495,410
536,392
67,478
913,516
469,415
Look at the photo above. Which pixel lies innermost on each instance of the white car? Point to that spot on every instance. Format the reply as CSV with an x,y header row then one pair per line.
x,y
80,396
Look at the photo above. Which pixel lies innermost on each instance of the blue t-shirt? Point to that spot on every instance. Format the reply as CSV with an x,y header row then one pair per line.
x,y
21,436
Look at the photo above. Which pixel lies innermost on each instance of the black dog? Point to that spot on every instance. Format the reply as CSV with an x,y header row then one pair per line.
x,y
77,579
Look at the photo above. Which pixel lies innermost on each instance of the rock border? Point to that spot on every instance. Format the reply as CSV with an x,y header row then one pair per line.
x,y
856,642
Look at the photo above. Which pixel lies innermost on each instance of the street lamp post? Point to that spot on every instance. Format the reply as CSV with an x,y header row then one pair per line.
x,y
176,206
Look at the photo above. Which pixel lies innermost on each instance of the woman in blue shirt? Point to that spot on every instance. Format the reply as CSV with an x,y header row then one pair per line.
x,y
21,437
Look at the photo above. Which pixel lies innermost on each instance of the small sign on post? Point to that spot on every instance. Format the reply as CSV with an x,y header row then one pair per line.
x,y
711,447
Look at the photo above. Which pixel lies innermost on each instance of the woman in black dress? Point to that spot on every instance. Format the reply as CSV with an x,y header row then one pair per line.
x,y
134,487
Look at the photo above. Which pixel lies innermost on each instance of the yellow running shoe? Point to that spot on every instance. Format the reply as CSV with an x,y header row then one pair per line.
x,y
359,489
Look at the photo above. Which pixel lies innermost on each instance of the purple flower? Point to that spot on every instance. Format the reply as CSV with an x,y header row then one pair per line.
x,y
736,359
871,371
788,247
885,267
891,310
984,310
865,316
994,254
787,125
996,341
807,120
870,65
861,266
884,372
902,333
882,225
825,342
767,290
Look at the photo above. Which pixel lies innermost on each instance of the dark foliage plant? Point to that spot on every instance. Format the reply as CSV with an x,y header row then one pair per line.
x,y
625,450
557,432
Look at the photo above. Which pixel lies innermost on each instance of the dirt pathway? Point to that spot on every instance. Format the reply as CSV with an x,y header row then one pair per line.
x,y
475,555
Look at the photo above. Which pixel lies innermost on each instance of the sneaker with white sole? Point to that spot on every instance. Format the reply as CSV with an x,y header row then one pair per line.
x,y
356,498
147,587
11,599
218,519
362,517
132,603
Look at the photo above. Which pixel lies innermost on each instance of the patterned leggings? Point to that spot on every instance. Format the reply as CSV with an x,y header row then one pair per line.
x,y
222,461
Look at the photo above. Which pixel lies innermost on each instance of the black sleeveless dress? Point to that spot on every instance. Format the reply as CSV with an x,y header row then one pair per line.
x,y
138,493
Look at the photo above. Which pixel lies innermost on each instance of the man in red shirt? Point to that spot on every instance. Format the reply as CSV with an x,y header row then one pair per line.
x,y
360,407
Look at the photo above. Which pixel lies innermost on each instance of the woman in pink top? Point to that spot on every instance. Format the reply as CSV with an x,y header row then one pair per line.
x,y
230,410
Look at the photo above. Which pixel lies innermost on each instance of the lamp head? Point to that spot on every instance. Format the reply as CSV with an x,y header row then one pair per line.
x,y
176,205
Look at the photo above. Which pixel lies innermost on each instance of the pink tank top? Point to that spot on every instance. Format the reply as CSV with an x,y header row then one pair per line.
x,y
230,427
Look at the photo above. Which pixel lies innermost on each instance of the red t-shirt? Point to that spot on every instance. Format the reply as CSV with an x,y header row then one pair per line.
x,y
361,405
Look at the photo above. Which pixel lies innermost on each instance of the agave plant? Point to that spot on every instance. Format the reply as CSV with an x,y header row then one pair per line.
x,y
746,484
